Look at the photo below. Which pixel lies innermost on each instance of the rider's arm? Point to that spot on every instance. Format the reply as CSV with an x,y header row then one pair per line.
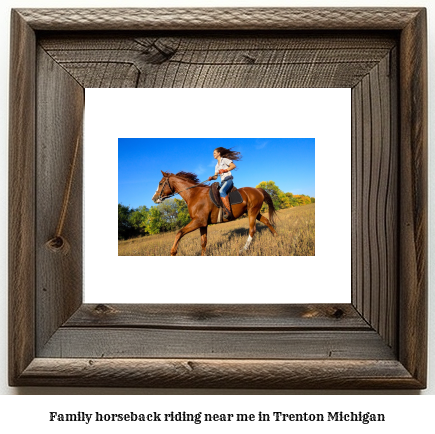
x,y
230,167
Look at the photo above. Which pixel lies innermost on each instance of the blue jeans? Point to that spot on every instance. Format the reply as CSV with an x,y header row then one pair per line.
x,y
226,186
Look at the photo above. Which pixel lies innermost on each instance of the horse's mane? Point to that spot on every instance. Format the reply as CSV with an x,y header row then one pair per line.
x,y
189,176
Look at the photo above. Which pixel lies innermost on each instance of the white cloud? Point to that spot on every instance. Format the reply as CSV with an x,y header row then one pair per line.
x,y
200,169
261,144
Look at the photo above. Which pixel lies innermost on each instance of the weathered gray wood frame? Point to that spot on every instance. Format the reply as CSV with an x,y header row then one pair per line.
x,y
378,341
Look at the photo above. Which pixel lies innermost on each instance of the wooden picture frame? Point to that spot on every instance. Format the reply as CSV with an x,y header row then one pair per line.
x,y
377,341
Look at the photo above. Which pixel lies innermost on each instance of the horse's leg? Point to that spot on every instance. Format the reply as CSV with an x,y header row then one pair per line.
x,y
203,231
252,229
264,220
192,226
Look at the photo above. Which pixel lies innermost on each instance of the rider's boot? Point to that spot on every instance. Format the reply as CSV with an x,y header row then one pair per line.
x,y
228,215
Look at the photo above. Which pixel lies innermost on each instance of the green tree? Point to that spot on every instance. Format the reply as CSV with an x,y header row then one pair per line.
x,y
279,198
154,221
169,213
292,200
138,219
124,226
283,200
183,216
302,199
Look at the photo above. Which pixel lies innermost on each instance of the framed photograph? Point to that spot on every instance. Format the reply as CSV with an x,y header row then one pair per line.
x,y
285,154
57,337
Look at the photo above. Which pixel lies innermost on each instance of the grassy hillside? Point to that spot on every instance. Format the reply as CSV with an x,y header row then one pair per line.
x,y
295,227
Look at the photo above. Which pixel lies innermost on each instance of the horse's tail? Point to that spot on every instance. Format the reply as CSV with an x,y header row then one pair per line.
x,y
269,203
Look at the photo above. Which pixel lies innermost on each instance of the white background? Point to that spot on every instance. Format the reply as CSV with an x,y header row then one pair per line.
x,y
406,412
323,114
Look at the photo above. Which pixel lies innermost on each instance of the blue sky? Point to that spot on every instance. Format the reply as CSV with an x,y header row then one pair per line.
x,y
288,162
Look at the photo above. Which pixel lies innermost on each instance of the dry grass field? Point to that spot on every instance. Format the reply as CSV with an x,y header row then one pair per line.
x,y
295,227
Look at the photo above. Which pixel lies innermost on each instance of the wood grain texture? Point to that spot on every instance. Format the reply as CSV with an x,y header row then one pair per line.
x,y
413,207
59,277
379,342
236,60
21,197
220,18
392,299
220,317
375,198
95,342
228,374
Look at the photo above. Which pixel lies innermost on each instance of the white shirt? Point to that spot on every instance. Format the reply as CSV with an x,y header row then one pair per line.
x,y
224,164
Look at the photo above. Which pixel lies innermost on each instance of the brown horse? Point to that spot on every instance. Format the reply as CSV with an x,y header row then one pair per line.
x,y
202,210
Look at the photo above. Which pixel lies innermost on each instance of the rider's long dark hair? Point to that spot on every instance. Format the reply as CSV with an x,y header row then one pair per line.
x,y
229,153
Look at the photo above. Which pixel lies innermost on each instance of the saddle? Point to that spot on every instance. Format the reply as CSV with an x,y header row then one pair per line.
x,y
234,197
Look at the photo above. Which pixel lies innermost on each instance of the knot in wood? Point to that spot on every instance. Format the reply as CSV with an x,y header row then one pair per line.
x,y
338,313
58,244
103,309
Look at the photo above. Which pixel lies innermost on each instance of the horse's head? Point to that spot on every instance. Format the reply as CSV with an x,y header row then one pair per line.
x,y
164,189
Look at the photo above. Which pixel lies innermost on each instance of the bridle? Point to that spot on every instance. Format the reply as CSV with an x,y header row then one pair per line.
x,y
173,192
162,198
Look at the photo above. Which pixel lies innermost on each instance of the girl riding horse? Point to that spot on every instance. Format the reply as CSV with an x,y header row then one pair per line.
x,y
223,168
203,212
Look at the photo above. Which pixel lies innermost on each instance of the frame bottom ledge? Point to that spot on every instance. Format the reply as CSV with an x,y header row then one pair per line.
x,y
214,373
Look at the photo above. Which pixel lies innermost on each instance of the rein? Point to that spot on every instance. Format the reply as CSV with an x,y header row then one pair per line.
x,y
175,192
